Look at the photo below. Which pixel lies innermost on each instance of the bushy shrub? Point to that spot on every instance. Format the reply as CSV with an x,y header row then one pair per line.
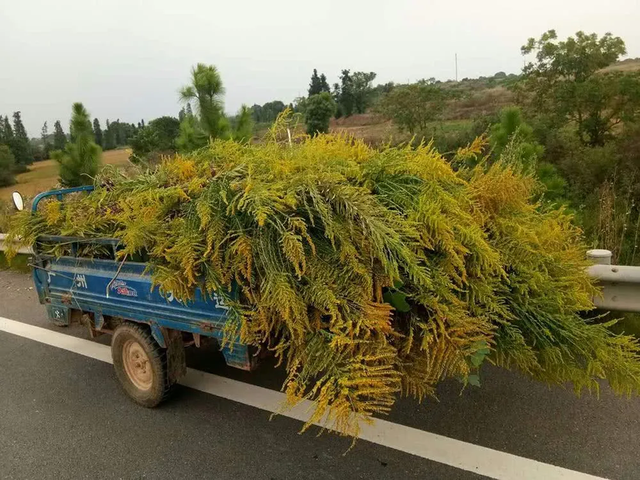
x,y
368,273
319,109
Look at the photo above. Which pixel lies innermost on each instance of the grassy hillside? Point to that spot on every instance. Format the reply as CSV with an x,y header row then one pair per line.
x,y
44,175
628,65
477,97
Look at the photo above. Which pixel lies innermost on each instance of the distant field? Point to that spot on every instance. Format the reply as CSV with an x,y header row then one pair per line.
x,y
43,176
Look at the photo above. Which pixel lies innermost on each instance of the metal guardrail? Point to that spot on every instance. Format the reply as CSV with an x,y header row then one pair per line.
x,y
4,245
620,283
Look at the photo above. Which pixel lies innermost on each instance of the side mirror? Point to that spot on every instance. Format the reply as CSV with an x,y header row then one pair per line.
x,y
18,201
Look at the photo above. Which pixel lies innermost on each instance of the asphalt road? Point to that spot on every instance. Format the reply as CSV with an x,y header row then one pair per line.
x,y
63,416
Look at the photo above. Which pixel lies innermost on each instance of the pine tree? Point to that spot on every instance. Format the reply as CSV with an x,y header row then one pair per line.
x,y
206,90
347,98
7,132
109,137
3,140
80,160
315,86
19,145
59,137
7,165
97,132
324,86
243,130
118,132
46,145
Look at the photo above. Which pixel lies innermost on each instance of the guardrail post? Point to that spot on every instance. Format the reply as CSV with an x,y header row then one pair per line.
x,y
600,256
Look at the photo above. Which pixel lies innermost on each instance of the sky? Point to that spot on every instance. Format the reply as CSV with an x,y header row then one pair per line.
x,y
126,59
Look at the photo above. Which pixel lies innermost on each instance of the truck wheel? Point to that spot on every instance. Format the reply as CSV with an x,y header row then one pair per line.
x,y
140,365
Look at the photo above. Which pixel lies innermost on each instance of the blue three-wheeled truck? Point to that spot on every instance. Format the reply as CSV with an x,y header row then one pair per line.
x,y
150,330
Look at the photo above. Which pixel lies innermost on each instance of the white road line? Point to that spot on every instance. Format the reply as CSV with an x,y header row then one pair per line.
x,y
462,455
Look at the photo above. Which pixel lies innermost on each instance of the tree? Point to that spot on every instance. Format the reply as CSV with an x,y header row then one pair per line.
x,y
109,137
59,138
46,145
143,144
300,105
181,114
268,112
7,167
412,107
97,132
79,162
117,132
319,110
513,132
7,131
243,129
318,84
346,98
168,129
354,93
206,90
20,146
157,137
362,90
565,81
324,86
191,136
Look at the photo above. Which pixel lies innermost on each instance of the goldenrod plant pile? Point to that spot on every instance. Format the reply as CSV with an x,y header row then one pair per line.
x,y
369,273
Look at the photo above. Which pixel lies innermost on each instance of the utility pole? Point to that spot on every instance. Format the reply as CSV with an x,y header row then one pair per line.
x,y
456,66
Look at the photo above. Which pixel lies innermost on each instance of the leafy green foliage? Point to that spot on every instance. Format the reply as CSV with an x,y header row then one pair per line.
x,y
167,129
191,135
117,134
354,94
565,83
513,130
157,138
268,112
313,234
80,160
555,185
7,167
318,112
412,107
143,143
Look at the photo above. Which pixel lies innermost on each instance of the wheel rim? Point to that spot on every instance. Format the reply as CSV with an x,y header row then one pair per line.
x,y
137,365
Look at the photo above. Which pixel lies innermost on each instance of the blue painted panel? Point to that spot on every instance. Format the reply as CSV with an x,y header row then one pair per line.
x,y
91,285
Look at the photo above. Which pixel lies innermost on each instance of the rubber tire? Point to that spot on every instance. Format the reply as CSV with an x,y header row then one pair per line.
x,y
161,387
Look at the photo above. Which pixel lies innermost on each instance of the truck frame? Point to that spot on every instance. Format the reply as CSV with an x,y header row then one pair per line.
x,y
110,296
